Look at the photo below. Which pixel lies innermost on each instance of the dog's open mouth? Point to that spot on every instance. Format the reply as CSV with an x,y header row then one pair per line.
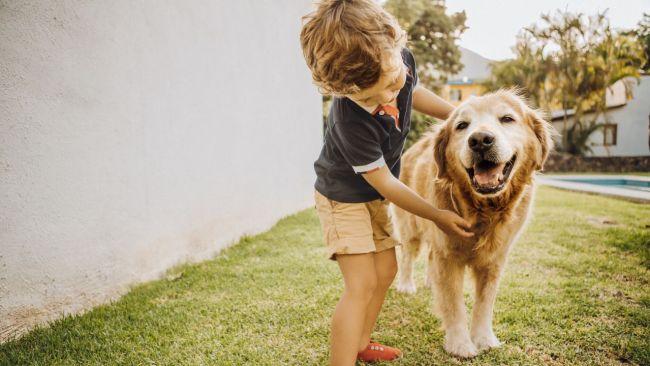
x,y
488,177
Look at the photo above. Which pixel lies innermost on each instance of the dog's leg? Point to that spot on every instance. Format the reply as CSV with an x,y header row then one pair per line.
x,y
408,253
430,271
448,283
486,282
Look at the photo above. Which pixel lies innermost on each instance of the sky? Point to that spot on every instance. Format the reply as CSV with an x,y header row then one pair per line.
x,y
493,24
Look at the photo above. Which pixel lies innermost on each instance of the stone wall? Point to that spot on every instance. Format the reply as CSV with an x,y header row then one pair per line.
x,y
615,164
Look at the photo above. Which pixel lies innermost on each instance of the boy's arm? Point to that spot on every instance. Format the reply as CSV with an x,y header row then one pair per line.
x,y
427,102
400,194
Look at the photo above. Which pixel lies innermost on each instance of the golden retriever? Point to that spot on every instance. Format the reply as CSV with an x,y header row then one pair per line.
x,y
481,164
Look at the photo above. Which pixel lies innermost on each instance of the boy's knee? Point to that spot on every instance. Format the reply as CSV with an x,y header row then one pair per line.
x,y
387,274
363,289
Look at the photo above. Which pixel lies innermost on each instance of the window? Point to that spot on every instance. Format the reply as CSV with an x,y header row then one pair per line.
x,y
455,95
609,134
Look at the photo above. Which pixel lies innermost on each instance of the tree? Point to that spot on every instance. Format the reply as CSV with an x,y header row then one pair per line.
x,y
642,32
528,70
570,61
432,37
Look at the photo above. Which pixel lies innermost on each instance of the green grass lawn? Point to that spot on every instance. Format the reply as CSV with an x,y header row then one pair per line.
x,y
575,291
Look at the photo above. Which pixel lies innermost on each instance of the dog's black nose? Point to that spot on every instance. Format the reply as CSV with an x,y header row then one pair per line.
x,y
481,141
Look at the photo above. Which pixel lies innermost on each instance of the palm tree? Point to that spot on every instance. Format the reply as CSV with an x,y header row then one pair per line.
x,y
528,71
570,61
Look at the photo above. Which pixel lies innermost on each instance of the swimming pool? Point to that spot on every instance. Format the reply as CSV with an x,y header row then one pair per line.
x,y
631,187
626,183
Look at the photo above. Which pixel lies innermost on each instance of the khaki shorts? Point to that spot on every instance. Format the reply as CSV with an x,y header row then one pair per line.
x,y
354,228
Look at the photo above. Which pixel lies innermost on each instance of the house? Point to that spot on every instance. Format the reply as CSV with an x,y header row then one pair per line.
x,y
466,83
626,130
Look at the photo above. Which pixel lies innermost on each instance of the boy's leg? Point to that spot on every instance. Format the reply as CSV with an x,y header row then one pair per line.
x,y
350,313
385,270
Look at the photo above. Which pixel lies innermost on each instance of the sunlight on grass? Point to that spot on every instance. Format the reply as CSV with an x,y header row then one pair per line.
x,y
575,291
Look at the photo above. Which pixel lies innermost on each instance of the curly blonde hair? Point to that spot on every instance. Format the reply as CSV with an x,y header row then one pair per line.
x,y
343,42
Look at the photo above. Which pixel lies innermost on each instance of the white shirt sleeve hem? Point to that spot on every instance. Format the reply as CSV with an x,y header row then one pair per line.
x,y
375,164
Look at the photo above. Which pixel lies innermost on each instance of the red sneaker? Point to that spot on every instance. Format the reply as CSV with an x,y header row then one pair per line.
x,y
378,352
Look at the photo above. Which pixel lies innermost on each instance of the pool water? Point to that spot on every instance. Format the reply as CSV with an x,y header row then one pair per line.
x,y
634,184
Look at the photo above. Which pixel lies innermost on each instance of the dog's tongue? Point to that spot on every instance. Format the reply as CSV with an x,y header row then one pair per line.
x,y
488,177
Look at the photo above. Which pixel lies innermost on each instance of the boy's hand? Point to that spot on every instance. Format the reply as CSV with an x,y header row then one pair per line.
x,y
452,224
401,195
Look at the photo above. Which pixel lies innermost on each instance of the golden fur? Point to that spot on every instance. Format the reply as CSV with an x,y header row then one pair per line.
x,y
433,168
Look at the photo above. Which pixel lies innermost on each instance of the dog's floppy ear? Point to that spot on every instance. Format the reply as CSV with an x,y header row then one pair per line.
x,y
440,141
544,132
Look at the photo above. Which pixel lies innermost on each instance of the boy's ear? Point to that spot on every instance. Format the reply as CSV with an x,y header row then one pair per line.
x,y
544,132
440,141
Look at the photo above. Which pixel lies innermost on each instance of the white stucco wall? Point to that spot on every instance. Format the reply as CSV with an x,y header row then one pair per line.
x,y
632,118
633,125
135,135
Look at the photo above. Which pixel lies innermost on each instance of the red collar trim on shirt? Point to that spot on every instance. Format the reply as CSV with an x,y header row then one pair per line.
x,y
390,110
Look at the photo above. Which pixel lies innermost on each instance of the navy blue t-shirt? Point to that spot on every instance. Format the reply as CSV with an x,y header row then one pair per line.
x,y
357,141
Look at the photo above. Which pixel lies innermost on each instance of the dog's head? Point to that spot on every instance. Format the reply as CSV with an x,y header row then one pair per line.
x,y
489,141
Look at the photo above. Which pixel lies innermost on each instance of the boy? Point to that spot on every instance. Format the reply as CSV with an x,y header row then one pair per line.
x,y
356,52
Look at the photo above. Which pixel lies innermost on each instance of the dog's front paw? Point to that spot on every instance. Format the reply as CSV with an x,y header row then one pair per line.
x,y
407,287
460,346
485,340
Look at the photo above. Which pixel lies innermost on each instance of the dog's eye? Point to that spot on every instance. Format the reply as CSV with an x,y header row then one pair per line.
x,y
462,125
506,119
